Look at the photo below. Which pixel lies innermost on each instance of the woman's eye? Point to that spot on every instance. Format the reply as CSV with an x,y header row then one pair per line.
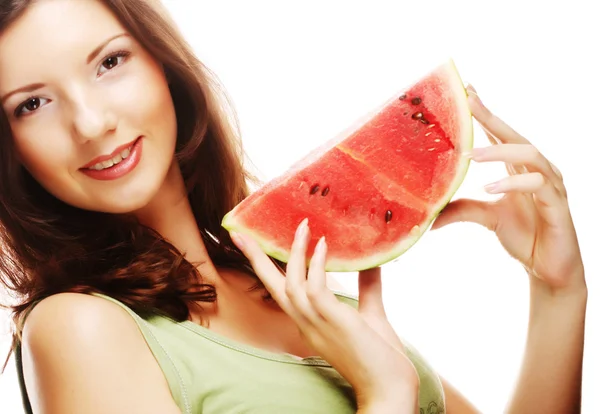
x,y
29,106
32,104
112,61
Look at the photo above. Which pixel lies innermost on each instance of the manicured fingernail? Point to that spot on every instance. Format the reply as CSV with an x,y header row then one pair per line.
x,y
237,239
471,88
491,188
474,154
477,152
321,245
302,228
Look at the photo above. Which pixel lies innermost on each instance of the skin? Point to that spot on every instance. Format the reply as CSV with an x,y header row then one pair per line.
x,y
89,108
86,110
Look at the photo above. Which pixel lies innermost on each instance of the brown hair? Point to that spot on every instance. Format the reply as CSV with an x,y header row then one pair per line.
x,y
50,247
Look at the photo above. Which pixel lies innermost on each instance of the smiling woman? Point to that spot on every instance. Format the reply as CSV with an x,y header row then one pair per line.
x,y
119,160
92,105
113,189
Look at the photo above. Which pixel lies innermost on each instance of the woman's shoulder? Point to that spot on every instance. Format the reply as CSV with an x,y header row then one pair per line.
x,y
83,343
83,330
65,318
71,307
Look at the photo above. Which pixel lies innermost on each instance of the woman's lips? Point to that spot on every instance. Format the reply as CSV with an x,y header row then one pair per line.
x,y
100,168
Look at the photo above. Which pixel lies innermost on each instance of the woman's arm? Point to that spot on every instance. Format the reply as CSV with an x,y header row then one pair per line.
x,y
550,377
83,354
532,221
551,371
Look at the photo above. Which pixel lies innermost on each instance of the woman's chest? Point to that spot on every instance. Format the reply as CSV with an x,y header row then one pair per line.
x,y
256,323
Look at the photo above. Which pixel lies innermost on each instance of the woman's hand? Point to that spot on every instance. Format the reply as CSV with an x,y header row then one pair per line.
x,y
382,376
532,219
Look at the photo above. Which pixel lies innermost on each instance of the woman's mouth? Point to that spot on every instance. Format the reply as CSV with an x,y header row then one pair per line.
x,y
122,161
113,161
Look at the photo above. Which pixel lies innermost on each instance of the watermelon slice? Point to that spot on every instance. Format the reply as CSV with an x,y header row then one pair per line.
x,y
373,190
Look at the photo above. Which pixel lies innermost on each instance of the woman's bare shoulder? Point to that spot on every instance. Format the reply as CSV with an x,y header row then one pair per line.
x,y
83,353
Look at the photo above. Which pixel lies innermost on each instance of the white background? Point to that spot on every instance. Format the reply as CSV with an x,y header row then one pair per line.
x,y
298,72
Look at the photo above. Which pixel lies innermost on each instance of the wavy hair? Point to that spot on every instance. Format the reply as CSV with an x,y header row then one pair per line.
x,y
50,247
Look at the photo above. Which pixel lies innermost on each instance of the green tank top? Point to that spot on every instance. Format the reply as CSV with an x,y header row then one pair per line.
x,y
211,374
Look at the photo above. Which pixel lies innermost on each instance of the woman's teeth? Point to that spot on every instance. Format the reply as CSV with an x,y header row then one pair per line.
x,y
113,161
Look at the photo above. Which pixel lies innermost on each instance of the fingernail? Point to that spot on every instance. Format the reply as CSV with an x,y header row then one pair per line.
x,y
474,153
237,239
302,228
321,245
477,152
491,188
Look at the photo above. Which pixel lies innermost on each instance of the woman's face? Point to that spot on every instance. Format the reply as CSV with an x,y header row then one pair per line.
x,y
90,110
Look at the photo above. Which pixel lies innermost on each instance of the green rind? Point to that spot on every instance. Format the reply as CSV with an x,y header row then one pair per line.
x,y
230,223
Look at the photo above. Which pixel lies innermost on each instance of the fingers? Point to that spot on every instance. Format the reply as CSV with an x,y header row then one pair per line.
x,y
535,182
467,210
521,155
305,300
515,156
295,280
490,122
296,267
556,171
317,293
370,291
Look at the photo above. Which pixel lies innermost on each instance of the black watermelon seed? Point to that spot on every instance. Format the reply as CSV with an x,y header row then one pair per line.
x,y
402,97
325,191
388,216
416,101
417,115
423,120
314,189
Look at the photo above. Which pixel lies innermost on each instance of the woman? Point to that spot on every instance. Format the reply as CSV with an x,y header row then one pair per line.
x,y
119,161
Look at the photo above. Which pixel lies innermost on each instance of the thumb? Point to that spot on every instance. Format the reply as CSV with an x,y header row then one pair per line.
x,y
464,209
370,291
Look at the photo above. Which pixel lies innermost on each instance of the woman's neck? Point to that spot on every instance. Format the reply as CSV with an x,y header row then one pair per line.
x,y
171,215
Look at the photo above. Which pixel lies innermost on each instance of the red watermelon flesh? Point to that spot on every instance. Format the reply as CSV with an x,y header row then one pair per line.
x,y
373,190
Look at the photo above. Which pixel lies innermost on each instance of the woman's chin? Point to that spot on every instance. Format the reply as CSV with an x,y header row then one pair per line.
x,y
119,200
127,206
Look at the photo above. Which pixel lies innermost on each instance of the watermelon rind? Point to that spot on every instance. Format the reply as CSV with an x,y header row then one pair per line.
x,y
231,223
